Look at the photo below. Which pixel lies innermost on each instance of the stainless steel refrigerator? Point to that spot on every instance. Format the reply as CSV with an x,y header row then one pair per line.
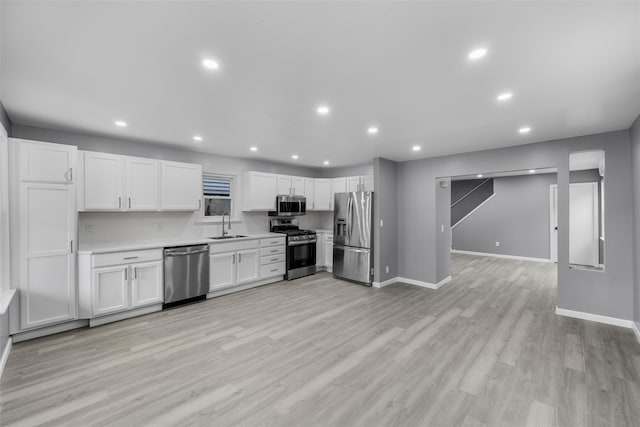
x,y
352,237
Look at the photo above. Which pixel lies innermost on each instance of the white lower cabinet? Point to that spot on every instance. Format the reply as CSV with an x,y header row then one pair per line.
x,y
232,264
247,269
110,290
246,262
328,251
120,281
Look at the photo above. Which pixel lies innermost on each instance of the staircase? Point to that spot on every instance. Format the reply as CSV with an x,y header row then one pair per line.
x,y
467,196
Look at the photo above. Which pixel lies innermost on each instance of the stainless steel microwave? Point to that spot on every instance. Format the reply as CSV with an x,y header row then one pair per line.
x,y
290,205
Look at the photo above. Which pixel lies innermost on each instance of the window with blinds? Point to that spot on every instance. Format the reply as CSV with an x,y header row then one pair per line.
x,y
218,195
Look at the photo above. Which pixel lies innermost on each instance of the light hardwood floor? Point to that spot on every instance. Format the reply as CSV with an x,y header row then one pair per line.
x,y
485,349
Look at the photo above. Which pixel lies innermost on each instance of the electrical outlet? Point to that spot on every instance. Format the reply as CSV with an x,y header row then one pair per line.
x,y
497,243
88,228
381,223
386,269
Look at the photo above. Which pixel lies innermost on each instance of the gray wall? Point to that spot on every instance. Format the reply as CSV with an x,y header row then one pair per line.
x,y
4,119
635,150
608,293
517,216
385,202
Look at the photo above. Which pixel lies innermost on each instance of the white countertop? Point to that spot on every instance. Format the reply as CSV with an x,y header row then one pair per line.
x,y
95,248
322,230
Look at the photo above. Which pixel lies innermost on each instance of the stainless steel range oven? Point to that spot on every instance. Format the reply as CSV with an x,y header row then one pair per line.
x,y
301,247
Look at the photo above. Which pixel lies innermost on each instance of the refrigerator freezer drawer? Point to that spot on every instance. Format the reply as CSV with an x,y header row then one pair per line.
x,y
352,264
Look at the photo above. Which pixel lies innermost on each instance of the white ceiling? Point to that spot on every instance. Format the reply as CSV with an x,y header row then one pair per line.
x,y
574,69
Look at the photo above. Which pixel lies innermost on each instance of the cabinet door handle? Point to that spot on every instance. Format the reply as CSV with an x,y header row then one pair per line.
x,y
239,258
234,259
199,204
274,259
125,273
119,202
274,270
129,202
135,273
71,245
130,257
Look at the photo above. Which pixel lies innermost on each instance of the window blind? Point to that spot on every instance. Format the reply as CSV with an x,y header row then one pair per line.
x,y
215,186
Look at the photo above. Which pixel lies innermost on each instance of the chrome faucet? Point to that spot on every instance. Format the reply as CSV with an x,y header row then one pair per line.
x,y
224,233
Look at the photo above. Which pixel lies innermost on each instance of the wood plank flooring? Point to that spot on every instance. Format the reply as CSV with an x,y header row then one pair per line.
x,y
484,350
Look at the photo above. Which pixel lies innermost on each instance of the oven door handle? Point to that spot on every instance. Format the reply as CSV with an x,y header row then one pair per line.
x,y
305,242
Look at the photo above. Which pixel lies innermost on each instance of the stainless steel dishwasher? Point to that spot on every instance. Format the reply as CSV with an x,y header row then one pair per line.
x,y
186,273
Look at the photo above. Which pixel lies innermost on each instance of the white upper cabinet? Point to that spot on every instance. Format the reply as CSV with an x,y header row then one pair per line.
x,y
322,194
46,162
284,185
338,185
260,190
103,187
367,183
110,182
142,183
360,183
353,183
297,185
181,186
309,193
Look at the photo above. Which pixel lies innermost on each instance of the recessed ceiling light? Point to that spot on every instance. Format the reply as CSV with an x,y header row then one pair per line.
x,y
416,148
253,148
197,138
479,175
532,171
323,110
525,129
210,64
372,130
294,157
121,123
326,162
504,96
477,53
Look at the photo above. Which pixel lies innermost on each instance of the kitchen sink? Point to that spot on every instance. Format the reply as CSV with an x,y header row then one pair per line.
x,y
226,237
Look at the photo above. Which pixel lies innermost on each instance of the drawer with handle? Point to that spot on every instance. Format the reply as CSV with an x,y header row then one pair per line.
x,y
272,270
273,241
270,259
128,257
273,250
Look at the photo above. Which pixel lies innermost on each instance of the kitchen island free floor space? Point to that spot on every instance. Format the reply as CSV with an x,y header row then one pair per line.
x,y
485,349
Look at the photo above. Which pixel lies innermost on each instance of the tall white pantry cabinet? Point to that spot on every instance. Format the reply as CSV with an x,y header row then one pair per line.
x,y
43,224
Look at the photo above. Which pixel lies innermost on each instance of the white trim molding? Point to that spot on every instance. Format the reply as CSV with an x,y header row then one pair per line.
x,y
520,258
5,355
636,330
595,318
412,282
385,283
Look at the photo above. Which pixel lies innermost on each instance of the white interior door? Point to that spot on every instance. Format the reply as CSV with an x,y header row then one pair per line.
x,y
583,223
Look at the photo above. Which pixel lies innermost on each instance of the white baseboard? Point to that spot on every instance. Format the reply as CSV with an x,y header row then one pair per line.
x,y
412,282
636,330
97,321
595,318
5,355
520,258
49,330
233,289
385,283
